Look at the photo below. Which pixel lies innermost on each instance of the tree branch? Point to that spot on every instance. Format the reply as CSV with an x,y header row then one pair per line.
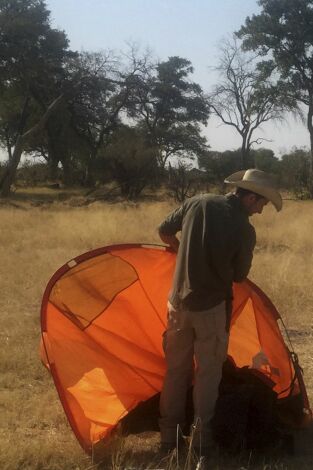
x,y
43,120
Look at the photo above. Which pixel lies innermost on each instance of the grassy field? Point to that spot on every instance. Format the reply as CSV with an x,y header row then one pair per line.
x,y
38,236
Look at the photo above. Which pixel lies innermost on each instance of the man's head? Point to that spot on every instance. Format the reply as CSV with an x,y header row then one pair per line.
x,y
259,189
252,202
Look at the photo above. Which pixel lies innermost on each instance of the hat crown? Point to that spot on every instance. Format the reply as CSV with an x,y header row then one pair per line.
x,y
259,177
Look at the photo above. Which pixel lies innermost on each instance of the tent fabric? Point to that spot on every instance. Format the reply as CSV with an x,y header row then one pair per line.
x,y
102,317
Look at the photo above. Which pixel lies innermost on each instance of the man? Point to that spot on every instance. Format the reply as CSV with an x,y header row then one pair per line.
x,y
215,250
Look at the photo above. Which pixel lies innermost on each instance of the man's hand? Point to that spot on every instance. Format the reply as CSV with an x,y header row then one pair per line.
x,y
170,240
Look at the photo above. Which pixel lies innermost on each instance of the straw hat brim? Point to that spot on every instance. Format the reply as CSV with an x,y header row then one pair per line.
x,y
264,190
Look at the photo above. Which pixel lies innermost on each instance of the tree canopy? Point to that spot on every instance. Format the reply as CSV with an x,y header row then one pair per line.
x,y
31,73
283,34
90,114
171,108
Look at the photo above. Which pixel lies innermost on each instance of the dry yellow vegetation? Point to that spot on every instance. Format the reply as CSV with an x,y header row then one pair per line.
x,y
35,241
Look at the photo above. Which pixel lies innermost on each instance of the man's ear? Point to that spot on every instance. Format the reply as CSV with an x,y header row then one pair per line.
x,y
250,198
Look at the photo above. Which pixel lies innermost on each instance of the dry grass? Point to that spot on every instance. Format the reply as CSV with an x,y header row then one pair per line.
x,y
35,241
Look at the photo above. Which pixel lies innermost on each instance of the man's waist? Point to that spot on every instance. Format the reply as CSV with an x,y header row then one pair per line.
x,y
194,301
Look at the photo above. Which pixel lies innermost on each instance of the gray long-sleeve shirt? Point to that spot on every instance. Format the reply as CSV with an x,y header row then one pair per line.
x,y
216,249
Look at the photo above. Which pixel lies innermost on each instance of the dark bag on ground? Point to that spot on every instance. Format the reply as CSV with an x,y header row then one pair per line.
x,y
245,413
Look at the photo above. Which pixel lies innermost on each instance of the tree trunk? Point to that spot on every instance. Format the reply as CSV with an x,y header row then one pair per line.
x,y
9,146
15,157
245,152
67,171
10,172
53,157
52,168
89,179
310,128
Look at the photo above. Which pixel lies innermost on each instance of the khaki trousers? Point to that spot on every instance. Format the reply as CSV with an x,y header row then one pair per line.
x,y
200,335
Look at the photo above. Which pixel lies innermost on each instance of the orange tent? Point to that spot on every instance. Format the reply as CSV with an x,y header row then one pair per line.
x,y
102,318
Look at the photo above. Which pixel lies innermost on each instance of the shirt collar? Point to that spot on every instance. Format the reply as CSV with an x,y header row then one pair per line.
x,y
236,202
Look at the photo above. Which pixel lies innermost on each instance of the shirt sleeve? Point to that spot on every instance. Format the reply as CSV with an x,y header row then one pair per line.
x,y
243,258
173,222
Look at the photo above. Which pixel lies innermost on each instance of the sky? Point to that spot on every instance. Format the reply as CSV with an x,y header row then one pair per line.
x,y
188,28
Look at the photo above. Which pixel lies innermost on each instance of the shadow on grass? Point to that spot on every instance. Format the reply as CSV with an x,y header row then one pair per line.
x,y
45,194
141,452
76,196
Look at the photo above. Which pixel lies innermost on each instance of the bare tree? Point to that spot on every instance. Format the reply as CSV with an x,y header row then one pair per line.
x,y
245,97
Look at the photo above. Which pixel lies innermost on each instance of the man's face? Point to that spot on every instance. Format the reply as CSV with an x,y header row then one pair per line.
x,y
254,204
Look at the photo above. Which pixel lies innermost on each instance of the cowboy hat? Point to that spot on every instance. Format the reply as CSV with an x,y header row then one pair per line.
x,y
258,182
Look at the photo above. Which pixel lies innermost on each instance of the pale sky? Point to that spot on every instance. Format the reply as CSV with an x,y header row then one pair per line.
x,y
188,28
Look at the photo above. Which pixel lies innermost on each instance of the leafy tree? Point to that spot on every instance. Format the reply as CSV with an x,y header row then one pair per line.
x,y
294,168
133,164
10,110
283,34
219,165
101,90
245,97
171,108
31,52
8,175
56,143
265,160
31,72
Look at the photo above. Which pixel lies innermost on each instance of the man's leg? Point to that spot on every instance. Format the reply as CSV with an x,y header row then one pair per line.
x,y
178,348
211,342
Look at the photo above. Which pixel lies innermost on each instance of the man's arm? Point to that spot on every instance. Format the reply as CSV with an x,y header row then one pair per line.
x,y
170,226
243,259
170,240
